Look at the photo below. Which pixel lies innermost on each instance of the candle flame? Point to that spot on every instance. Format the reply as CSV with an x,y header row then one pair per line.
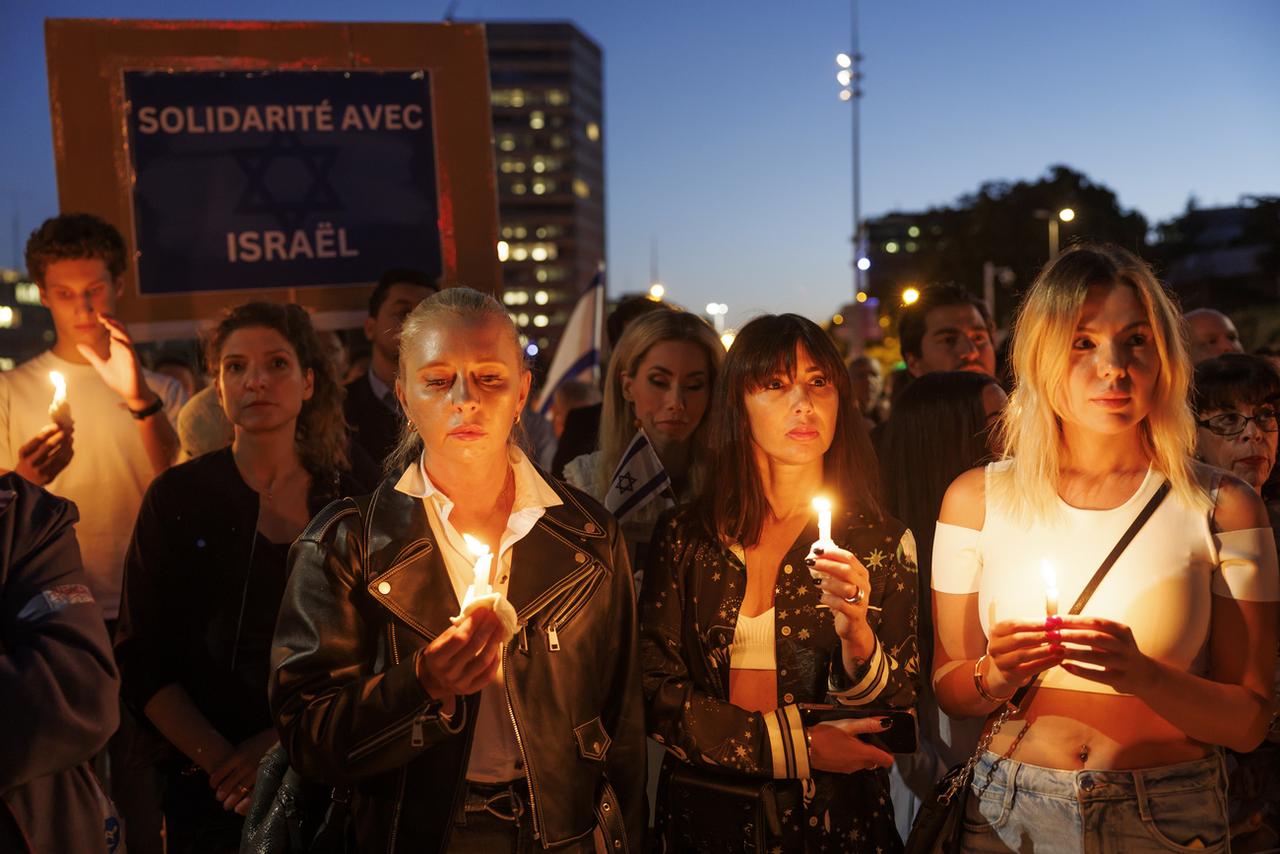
x,y
59,386
476,547
821,504
1050,577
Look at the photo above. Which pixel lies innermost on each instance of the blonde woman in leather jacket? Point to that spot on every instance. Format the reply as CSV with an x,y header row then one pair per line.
x,y
449,737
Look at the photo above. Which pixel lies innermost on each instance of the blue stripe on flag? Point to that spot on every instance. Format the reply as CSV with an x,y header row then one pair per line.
x,y
641,495
586,360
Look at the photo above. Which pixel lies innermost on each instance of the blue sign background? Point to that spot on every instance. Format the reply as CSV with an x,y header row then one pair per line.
x,y
240,185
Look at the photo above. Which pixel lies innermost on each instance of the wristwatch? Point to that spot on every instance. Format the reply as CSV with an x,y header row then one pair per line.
x,y
147,411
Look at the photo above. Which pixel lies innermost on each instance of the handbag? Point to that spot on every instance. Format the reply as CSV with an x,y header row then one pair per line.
x,y
939,825
722,812
283,820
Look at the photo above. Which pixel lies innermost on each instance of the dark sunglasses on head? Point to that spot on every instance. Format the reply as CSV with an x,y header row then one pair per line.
x,y
1233,423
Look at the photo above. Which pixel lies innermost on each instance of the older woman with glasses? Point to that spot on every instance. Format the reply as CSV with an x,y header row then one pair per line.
x,y
1235,402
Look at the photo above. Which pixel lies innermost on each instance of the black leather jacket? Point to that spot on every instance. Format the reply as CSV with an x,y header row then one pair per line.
x,y
369,588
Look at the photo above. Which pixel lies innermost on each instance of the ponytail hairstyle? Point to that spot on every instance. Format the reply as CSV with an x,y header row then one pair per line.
x,y
451,306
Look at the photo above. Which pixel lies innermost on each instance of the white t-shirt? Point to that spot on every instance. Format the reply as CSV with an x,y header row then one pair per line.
x,y
110,469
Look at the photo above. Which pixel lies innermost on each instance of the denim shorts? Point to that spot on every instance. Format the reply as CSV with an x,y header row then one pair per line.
x,y
1013,806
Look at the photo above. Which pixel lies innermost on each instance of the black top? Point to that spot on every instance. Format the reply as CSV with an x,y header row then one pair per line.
x,y
201,592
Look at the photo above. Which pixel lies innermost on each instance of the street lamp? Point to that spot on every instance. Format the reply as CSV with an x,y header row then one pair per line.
x,y
849,77
1064,215
716,311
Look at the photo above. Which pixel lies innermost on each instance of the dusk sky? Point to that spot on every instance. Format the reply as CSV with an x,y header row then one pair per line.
x,y
726,142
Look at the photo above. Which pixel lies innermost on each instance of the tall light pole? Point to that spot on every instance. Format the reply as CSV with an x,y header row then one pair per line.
x,y
1064,215
850,79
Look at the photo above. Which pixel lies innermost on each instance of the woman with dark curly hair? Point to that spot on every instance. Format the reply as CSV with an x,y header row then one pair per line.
x,y
206,570
735,634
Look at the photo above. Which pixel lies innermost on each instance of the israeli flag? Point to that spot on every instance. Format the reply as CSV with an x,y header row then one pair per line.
x,y
638,479
578,352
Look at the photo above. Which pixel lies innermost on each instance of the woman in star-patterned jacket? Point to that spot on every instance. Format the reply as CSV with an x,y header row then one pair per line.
x,y
736,634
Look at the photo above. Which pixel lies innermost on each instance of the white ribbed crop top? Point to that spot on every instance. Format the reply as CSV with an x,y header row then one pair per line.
x,y
753,643
1160,586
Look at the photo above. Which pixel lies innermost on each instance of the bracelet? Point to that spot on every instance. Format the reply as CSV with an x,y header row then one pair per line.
x,y
983,692
808,740
147,411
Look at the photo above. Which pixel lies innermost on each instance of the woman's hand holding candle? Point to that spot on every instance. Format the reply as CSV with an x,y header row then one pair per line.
x,y
824,541
59,409
481,595
1016,652
845,586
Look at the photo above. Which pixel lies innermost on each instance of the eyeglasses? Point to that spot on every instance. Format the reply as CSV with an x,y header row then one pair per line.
x,y
1233,423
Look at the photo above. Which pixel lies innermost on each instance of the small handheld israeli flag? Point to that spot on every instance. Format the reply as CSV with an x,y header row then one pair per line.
x,y
638,479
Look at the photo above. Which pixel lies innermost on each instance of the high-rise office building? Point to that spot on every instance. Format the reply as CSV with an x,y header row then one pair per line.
x,y
547,89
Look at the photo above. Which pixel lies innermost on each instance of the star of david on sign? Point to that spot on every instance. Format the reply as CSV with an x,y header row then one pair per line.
x,y
625,482
285,153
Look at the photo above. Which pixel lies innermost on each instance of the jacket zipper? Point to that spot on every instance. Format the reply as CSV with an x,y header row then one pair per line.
x,y
567,611
524,756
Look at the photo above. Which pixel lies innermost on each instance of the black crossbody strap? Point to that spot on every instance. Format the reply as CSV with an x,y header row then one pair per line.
x,y
1110,560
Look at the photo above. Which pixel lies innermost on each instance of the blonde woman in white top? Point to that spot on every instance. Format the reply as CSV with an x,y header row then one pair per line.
x,y
1172,658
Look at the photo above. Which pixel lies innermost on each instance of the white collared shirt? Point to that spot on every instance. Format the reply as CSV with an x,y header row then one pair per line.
x,y
495,756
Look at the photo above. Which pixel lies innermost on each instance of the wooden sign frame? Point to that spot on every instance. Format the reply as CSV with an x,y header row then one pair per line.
x,y
86,61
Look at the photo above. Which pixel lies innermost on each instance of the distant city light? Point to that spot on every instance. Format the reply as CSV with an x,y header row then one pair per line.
x,y
913,231
862,297
532,349
864,263
1066,214
844,77
891,247
541,297
657,291
844,60
837,319
504,250
909,296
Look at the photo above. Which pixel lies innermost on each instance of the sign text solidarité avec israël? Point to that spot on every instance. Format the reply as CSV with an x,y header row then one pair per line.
x,y
248,180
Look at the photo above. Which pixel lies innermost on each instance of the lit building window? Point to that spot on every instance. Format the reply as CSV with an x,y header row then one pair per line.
x,y
559,141
9,317
541,276
504,250
7,364
507,142
541,297
539,187
521,189
537,120
581,188
913,231
519,253
891,247
507,232
538,254
522,319
593,131
540,320
521,232
557,97
911,246
27,293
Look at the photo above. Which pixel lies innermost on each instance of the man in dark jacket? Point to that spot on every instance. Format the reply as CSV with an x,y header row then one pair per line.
x,y
370,407
58,682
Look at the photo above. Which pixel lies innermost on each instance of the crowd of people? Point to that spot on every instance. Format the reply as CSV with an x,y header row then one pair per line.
x,y
463,626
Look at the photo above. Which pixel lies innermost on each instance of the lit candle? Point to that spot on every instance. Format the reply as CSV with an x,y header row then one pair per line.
x,y
480,580
59,410
1050,589
823,506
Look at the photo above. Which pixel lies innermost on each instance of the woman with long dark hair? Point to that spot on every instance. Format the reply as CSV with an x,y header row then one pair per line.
x,y
207,567
735,634
939,429
1173,656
